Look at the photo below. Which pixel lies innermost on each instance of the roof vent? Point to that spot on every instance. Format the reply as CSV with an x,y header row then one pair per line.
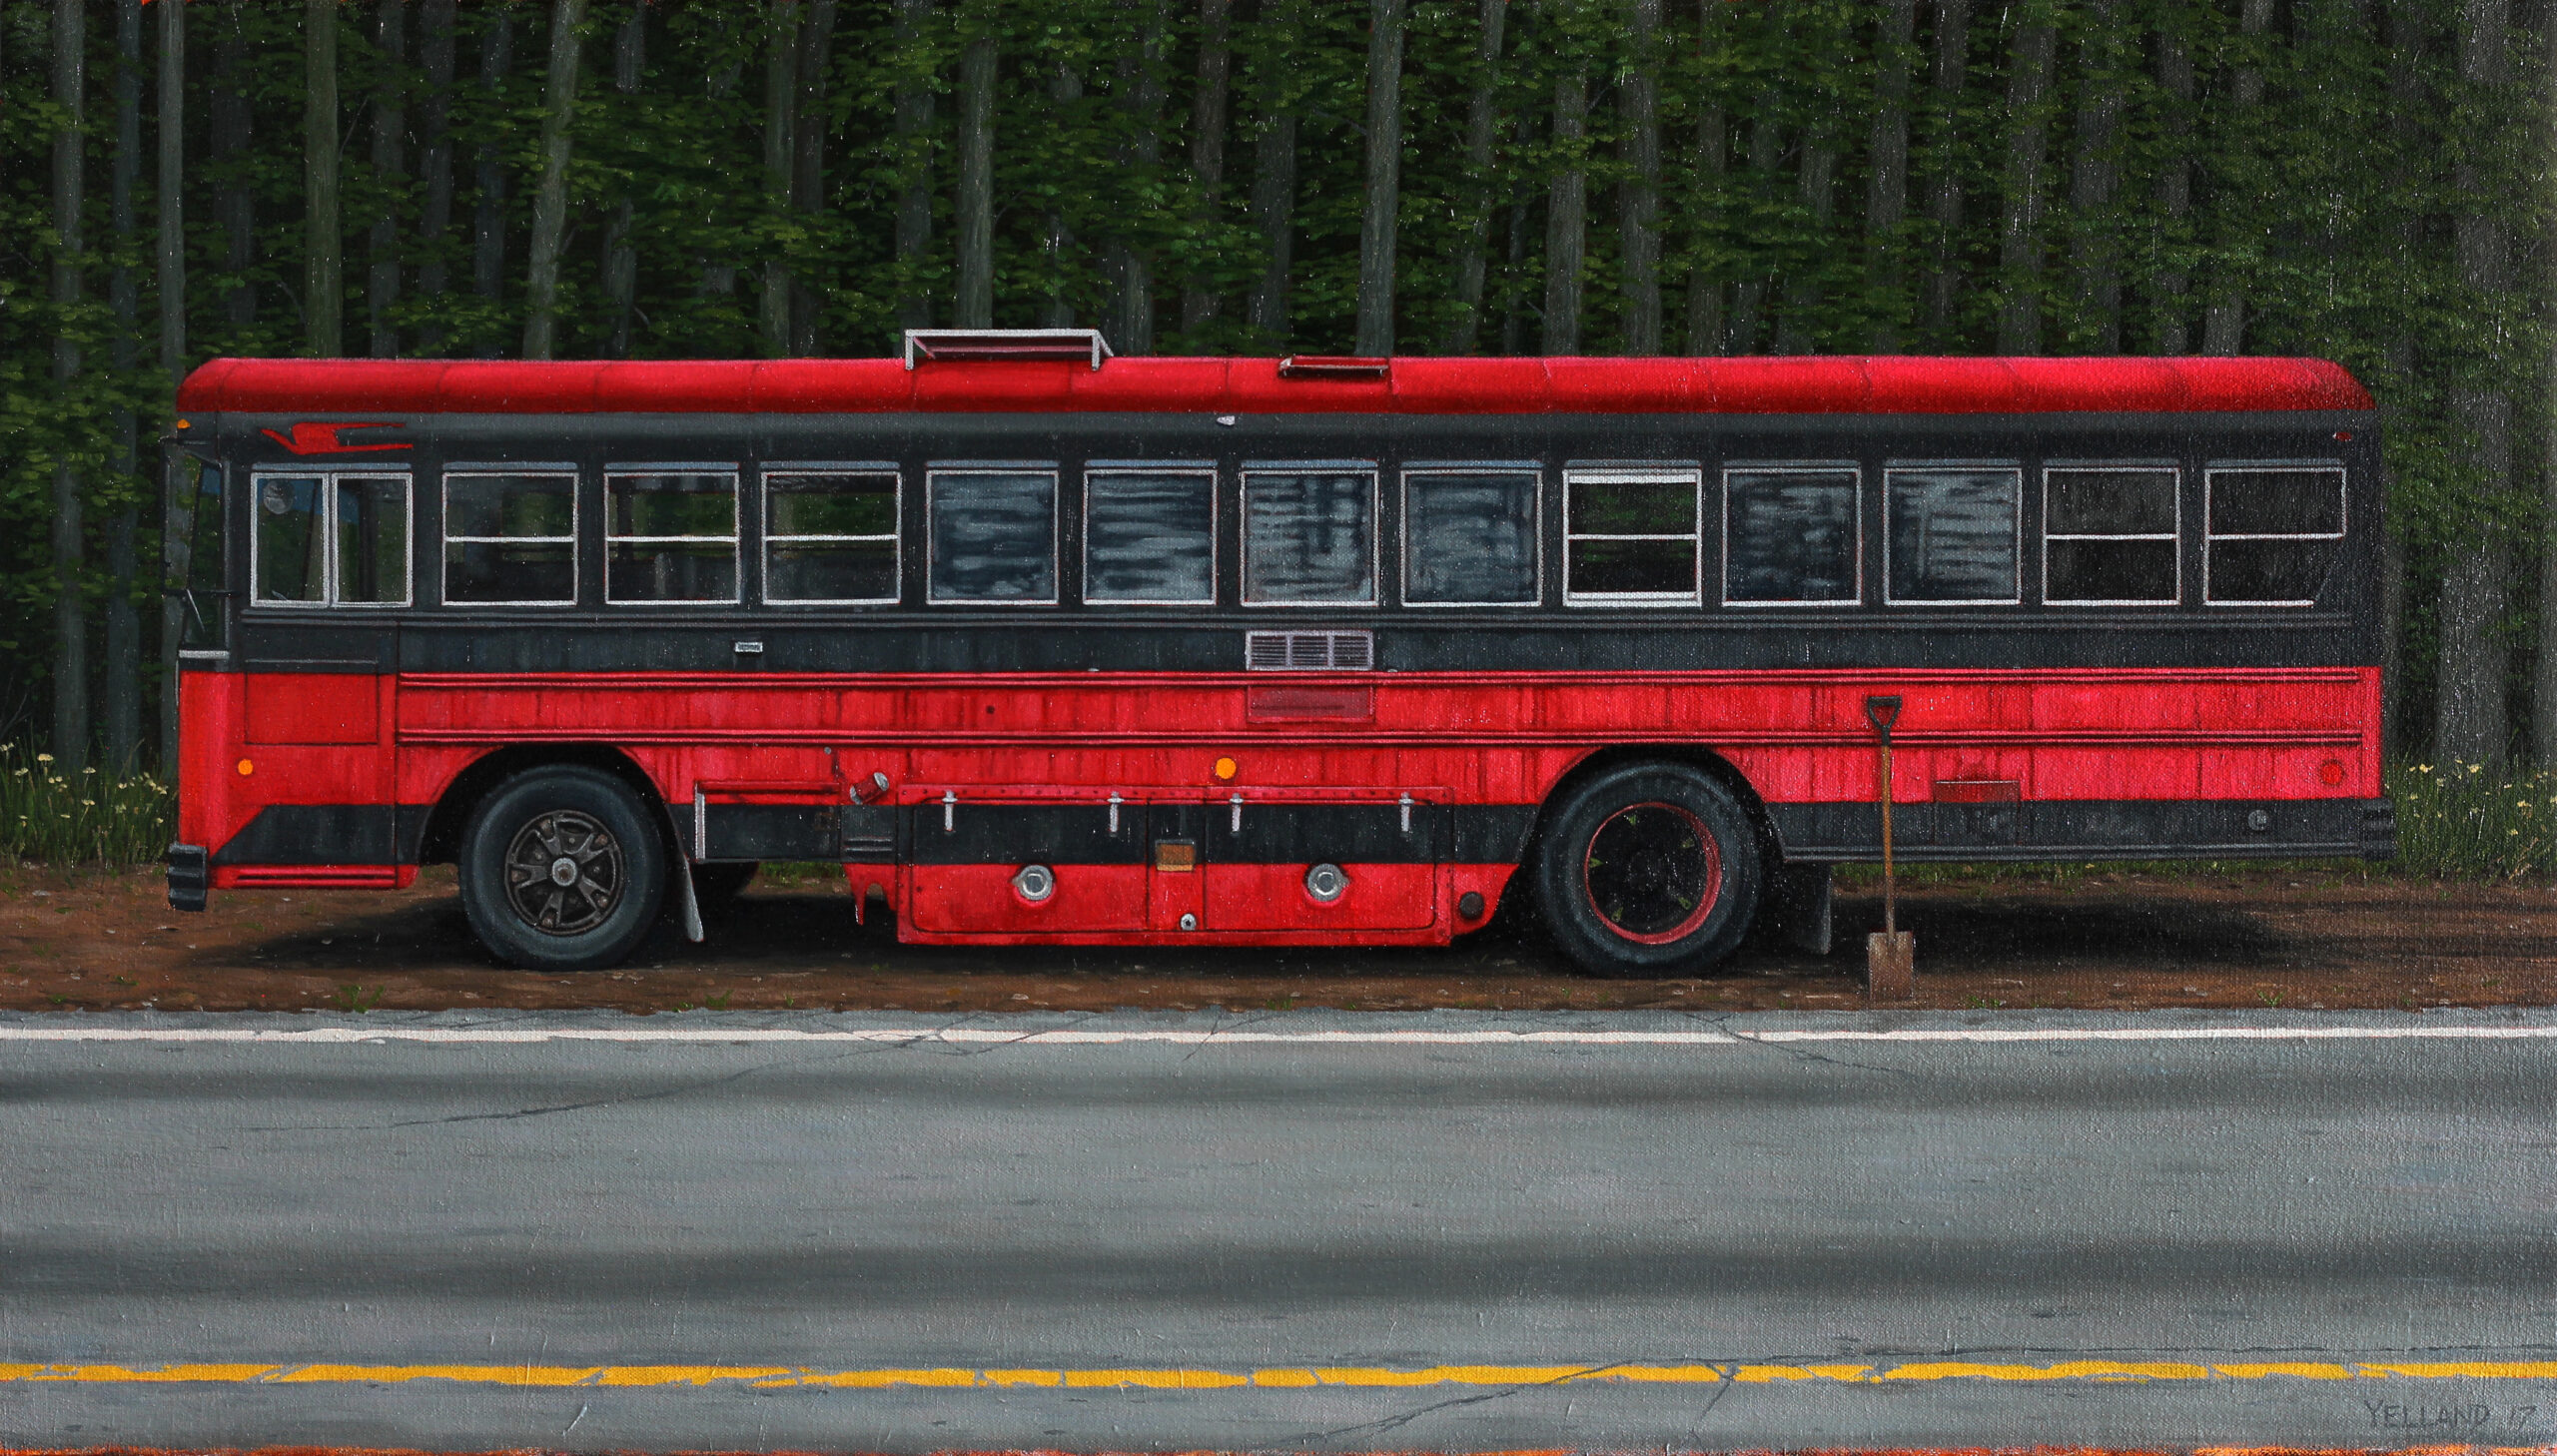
x,y
1332,367
956,345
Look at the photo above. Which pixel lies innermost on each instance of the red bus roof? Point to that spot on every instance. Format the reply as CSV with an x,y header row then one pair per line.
x,y
1825,385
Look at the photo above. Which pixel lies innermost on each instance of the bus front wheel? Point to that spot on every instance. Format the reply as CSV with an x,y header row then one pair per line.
x,y
1648,869
561,869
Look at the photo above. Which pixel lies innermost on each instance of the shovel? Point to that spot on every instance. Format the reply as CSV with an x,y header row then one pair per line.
x,y
1890,954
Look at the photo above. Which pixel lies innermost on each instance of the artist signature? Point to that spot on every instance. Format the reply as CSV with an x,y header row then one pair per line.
x,y
2476,1416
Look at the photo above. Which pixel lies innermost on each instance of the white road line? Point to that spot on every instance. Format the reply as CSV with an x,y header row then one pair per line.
x,y
1089,1036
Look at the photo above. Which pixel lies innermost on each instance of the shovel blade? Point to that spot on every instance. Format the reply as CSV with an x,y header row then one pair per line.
x,y
1891,965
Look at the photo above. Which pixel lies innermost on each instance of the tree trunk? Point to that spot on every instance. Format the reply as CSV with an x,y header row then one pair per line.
x,y
719,274
1513,311
236,203
2224,327
435,159
1749,295
2175,190
1199,302
1887,183
1815,188
1943,184
808,163
2406,99
2543,694
488,210
70,620
780,117
550,201
1482,119
1638,222
2019,236
914,145
390,133
1274,179
322,265
975,214
1383,196
621,254
171,199
2094,254
2470,716
1713,155
123,676
1065,88
1132,266
1566,213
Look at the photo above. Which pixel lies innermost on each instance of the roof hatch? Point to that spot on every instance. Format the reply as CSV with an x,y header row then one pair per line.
x,y
955,345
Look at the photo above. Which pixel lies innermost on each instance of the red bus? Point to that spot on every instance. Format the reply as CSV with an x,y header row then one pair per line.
x,y
1047,646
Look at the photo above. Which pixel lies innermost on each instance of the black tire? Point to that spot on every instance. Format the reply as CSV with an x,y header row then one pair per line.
x,y
715,886
1647,870
539,826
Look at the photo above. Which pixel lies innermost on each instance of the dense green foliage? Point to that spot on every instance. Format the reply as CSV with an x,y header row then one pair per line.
x,y
2328,149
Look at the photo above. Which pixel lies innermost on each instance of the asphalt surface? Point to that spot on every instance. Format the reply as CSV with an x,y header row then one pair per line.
x,y
2181,1230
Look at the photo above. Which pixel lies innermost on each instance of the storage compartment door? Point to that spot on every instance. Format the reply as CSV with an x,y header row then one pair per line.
x,y
969,855
1262,853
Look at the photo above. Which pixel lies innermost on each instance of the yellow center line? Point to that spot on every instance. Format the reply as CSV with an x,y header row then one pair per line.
x,y
1271,1378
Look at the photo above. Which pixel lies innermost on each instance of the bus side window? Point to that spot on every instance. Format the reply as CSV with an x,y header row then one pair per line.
x,y
2109,536
1470,535
1632,537
2272,532
1149,534
671,534
510,538
992,532
830,536
1952,534
1791,535
207,555
332,540
1310,533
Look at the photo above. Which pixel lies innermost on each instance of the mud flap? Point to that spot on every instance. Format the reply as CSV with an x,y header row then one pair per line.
x,y
1798,908
685,899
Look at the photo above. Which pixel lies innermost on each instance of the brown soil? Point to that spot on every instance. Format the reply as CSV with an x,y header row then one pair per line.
x,y
2287,938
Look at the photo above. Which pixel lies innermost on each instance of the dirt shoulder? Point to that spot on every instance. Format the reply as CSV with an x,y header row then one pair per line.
x,y
92,941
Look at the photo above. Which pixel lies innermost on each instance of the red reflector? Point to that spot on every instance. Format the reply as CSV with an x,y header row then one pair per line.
x,y
1976,791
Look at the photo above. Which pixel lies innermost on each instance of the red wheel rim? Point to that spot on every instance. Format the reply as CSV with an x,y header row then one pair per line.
x,y
1651,873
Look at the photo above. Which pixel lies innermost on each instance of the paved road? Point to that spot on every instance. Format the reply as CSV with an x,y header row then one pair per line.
x,y
1637,1233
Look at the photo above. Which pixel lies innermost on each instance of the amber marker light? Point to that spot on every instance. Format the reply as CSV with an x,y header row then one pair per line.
x,y
247,768
1227,768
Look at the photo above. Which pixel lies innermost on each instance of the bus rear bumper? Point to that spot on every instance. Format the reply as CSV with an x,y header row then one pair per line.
x,y
190,876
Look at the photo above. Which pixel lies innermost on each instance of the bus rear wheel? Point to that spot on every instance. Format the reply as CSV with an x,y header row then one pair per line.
x,y
561,870
1649,869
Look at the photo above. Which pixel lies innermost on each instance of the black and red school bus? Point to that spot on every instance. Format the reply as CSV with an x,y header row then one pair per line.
x,y
1047,646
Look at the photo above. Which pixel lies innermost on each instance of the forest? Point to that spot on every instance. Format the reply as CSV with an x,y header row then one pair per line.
x,y
2367,181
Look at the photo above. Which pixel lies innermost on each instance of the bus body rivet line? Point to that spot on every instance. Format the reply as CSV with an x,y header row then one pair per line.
x,y
949,811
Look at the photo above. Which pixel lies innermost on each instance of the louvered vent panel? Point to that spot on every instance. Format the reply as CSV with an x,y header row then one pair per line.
x,y
1309,651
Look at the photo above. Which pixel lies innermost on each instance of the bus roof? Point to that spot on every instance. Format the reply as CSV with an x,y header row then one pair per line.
x,y
1824,384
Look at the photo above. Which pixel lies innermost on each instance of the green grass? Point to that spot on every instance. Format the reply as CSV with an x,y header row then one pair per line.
x,y
90,818
2459,822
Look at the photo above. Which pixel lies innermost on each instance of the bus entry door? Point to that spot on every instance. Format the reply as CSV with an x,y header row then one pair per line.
x,y
1304,864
